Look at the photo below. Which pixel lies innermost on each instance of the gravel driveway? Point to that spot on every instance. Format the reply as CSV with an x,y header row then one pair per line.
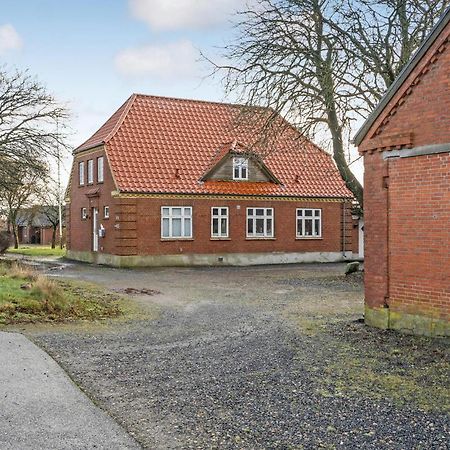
x,y
253,358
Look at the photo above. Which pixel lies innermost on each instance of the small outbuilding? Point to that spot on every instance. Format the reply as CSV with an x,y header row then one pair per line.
x,y
406,148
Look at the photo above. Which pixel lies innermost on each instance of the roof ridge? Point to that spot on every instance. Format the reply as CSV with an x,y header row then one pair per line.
x,y
209,102
129,104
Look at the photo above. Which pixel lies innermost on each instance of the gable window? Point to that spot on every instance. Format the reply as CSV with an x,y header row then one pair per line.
x,y
90,171
219,222
83,213
106,212
100,169
176,222
260,222
309,223
81,173
240,169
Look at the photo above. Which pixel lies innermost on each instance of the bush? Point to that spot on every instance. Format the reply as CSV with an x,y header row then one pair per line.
x,y
5,241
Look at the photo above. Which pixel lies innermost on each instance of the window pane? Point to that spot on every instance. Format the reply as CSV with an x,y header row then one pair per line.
x,y
187,212
176,227
165,230
100,169
215,211
223,227
224,211
259,211
317,227
250,211
236,172
250,226
317,212
308,227
299,227
269,227
308,212
243,172
259,226
165,211
215,227
176,211
299,212
269,212
187,228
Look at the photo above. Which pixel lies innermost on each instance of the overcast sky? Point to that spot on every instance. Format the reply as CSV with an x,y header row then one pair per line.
x,y
92,54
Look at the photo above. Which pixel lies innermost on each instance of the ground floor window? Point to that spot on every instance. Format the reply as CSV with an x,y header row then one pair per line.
x,y
260,222
219,222
83,213
106,212
309,223
176,222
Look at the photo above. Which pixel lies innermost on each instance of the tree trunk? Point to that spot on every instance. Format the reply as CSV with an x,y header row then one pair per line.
x,y
54,237
16,236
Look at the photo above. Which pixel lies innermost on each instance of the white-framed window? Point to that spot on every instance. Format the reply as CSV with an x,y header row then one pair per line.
x,y
309,223
240,168
106,212
219,221
90,171
100,165
83,213
81,173
260,222
176,222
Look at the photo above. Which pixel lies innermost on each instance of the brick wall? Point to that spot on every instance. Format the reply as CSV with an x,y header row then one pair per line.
x,y
407,200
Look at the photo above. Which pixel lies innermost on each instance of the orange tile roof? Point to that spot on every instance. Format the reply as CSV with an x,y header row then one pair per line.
x,y
165,145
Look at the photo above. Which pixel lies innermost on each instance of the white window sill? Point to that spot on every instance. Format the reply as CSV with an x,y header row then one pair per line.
x,y
169,239
308,238
260,238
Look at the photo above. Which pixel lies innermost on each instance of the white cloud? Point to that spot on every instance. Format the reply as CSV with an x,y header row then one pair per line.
x,y
164,61
178,14
9,38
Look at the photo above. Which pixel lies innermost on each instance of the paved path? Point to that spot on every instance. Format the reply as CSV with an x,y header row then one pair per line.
x,y
40,407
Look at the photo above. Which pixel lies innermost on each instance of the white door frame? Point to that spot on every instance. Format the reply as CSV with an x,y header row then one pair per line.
x,y
95,229
361,237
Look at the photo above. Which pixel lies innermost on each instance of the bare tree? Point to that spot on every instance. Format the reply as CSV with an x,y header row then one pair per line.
x,y
28,118
322,64
23,185
47,202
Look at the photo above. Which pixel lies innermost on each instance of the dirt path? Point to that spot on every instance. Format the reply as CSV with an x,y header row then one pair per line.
x,y
265,357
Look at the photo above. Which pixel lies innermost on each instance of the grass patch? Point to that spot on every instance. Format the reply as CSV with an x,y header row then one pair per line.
x,y
37,250
26,296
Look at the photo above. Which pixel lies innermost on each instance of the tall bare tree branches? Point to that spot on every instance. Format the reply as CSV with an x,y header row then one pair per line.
x,y
322,64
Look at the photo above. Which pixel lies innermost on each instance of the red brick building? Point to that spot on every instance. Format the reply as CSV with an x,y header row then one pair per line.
x,y
406,145
173,182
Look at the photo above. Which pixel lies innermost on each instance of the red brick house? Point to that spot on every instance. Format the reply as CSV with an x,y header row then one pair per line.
x,y
172,182
406,145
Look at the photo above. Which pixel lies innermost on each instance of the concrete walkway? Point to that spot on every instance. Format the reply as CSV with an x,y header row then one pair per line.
x,y
40,407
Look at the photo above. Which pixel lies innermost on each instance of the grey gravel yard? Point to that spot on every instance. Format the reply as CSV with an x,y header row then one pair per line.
x,y
254,358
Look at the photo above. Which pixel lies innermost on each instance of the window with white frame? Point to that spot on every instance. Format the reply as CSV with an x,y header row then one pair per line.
x,y
100,169
84,213
176,221
81,173
309,223
240,169
106,212
90,171
260,222
219,222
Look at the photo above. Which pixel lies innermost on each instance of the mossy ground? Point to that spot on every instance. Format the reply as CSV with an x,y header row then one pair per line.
x,y
28,297
37,250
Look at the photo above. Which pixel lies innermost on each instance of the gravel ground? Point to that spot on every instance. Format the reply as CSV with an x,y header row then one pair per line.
x,y
254,358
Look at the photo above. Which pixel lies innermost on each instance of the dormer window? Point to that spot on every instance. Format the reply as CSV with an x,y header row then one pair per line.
x,y
240,169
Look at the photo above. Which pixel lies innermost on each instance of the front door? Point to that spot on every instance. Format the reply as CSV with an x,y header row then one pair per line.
x,y
95,229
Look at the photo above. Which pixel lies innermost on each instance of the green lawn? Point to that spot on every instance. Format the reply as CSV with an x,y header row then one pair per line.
x,y
26,296
37,250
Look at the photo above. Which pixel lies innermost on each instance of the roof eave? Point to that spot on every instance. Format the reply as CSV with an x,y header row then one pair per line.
x,y
401,78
